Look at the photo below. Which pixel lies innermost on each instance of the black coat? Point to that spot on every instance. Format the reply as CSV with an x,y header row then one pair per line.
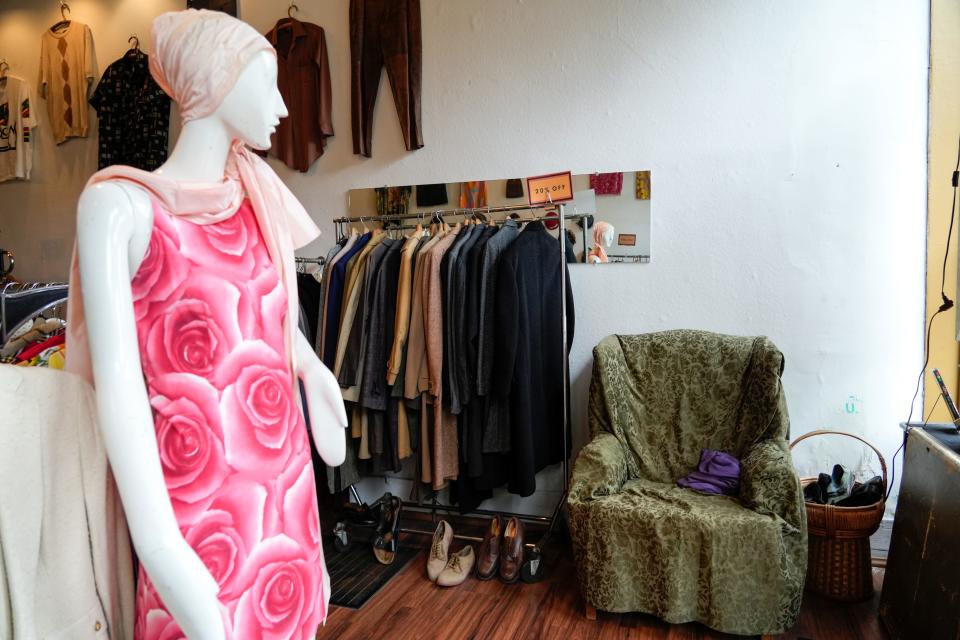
x,y
528,365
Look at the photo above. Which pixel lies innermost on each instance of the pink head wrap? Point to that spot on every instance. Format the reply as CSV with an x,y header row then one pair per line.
x,y
197,58
598,249
198,55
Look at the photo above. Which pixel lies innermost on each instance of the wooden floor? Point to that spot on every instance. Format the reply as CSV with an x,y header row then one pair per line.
x,y
410,606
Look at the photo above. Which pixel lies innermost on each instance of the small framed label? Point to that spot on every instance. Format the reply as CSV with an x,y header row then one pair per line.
x,y
553,187
627,240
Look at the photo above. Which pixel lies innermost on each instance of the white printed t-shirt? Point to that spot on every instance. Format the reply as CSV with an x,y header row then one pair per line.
x,y
17,122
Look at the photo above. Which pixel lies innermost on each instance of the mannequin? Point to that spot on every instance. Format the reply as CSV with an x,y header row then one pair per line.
x,y
115,224
603,234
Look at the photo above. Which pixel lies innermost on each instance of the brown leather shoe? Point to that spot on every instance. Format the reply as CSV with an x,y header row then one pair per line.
x,y
490,550
511,551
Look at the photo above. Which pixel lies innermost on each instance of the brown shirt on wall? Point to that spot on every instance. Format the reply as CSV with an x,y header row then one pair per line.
x,y
303,77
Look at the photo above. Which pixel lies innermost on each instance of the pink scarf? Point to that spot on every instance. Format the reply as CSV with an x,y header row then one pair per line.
x,y
598,250
197,58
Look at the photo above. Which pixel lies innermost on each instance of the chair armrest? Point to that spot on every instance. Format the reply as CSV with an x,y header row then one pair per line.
x,y
600,469
769,482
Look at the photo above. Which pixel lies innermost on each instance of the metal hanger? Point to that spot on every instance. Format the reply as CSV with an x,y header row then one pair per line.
x,y
134,52
288,22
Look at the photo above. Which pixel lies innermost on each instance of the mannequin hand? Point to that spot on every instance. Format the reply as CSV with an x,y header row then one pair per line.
x,y
328,417
187,590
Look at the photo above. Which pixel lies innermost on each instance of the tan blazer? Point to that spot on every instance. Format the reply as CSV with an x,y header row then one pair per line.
x,y
401,322
416,347
446,463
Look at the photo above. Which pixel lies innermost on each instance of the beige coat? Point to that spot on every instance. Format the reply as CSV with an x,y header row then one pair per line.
x,y
401,322
446,464
65,564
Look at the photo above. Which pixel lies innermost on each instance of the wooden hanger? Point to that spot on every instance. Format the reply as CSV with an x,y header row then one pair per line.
x,y
64,23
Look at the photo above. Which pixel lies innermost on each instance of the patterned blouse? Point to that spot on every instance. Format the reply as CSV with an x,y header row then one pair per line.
x,y
134,115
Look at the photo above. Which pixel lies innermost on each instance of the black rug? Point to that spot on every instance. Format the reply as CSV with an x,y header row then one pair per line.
x,y
356,576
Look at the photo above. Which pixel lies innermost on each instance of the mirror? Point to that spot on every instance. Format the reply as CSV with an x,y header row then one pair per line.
x,y
609,217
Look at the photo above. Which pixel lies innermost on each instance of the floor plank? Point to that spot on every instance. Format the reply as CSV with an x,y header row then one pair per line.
x,y
411,607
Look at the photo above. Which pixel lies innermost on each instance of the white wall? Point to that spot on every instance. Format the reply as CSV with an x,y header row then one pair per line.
x,y
787,142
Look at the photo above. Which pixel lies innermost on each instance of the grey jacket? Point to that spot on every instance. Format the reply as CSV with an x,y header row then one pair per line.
x,y
488,287
450,316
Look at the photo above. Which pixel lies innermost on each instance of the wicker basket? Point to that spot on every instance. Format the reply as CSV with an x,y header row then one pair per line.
x,y
838,563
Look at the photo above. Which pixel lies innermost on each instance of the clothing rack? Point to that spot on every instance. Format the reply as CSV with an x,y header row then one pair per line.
x,y
22,302
560,219
431,216
613,257
317,261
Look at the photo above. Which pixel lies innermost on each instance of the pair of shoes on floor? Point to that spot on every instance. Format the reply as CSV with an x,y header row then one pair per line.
x,y
388,529
445,568
501,549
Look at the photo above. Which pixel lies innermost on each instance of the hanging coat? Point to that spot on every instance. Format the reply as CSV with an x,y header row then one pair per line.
x,y
529,353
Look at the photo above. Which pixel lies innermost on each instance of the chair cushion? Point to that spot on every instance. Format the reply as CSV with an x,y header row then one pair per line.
x,y
676,505
683,556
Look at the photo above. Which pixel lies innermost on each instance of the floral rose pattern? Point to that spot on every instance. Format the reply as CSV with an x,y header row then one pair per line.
x,y
232,441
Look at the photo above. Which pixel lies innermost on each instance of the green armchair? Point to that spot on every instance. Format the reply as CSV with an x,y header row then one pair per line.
x,y
640,542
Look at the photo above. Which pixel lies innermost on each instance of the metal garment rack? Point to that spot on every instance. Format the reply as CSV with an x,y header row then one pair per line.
x,y
318,261
22,302
561,219
615,257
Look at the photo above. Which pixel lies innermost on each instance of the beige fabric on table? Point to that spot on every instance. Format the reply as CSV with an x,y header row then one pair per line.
x,y
65,565
401,323
416,348
67,71
446,463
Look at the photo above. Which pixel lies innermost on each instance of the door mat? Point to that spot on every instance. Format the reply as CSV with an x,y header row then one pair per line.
x,y
356,576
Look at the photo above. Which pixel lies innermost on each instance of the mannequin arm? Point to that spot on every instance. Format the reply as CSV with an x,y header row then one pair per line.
x,y
110,222
328,417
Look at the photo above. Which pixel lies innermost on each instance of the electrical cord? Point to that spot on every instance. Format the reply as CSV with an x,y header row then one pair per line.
x,y
935,403
945,306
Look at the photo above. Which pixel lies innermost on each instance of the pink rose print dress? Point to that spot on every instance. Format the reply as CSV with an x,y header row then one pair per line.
x,y
233,444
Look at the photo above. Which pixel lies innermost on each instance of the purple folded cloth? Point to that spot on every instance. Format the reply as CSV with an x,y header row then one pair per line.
x,y
718,473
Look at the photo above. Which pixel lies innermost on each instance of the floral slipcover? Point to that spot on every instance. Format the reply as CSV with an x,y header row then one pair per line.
x,y
736,564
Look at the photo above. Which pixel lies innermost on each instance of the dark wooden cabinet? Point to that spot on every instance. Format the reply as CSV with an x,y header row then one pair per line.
x,y
921,587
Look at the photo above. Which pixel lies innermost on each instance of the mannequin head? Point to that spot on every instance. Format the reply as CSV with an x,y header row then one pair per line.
x,y
252,109
220,71
603,234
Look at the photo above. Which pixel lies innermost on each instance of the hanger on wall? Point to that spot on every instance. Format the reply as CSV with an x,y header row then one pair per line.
x,y
287,23
64,22
133,52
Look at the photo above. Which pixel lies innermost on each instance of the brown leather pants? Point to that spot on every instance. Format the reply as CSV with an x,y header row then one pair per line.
x,y
385,33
